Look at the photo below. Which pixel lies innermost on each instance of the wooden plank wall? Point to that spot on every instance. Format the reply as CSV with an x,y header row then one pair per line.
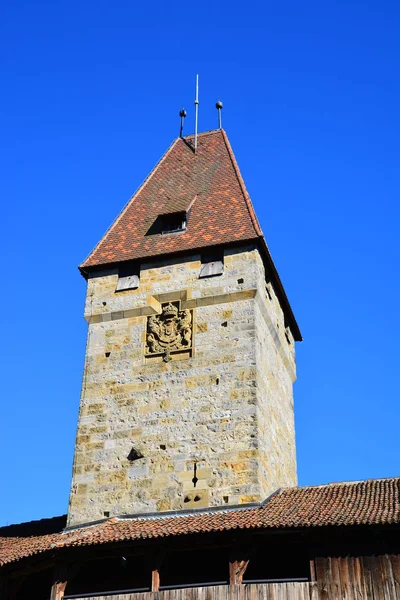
x,y
269,591
351,578
348,578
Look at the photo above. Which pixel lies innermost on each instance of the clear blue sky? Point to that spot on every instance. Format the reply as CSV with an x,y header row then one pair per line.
x,y
90,98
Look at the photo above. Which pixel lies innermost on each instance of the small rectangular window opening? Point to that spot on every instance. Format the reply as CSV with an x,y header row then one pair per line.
x,y
212,264
128,277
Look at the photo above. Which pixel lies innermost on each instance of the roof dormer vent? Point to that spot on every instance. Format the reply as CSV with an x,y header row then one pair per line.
x,y
169,223
173,223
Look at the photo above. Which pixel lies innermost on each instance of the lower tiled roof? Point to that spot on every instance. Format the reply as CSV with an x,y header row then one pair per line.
x,y
371,502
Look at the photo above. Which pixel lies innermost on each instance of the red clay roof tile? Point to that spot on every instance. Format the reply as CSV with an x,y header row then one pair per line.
x,y
222,212
372,502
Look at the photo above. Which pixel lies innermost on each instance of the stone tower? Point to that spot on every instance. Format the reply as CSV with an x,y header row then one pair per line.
x,y
187,397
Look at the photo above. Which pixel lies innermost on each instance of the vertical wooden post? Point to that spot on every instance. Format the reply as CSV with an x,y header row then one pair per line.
x,y
58,590
232,572
156,564
237,569
313,575
155,580
60,580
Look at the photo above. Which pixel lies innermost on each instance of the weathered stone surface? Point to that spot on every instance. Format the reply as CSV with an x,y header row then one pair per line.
x,y
228,408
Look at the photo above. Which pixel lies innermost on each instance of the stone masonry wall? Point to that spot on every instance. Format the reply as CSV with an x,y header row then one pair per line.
x,y
228,409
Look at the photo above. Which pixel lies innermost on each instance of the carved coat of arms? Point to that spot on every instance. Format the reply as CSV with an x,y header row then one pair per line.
x,y
168,332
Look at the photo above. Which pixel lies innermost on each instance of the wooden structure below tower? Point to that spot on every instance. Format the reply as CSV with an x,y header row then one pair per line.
x,y
328,542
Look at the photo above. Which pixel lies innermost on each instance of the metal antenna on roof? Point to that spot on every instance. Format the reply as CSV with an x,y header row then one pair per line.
x,y
219,106
196,107
182,115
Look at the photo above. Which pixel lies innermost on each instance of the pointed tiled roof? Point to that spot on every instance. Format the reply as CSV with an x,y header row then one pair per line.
x,y
207,183
208,186
370,502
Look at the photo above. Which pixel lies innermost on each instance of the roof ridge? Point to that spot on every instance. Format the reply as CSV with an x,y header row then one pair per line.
x,y
172,514
132,197
340,483
191,135
242,184
33,522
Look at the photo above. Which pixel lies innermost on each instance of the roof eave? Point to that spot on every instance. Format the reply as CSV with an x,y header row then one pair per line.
x,y
283,299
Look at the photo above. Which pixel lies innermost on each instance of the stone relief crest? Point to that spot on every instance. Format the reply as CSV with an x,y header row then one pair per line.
x,y
171,331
